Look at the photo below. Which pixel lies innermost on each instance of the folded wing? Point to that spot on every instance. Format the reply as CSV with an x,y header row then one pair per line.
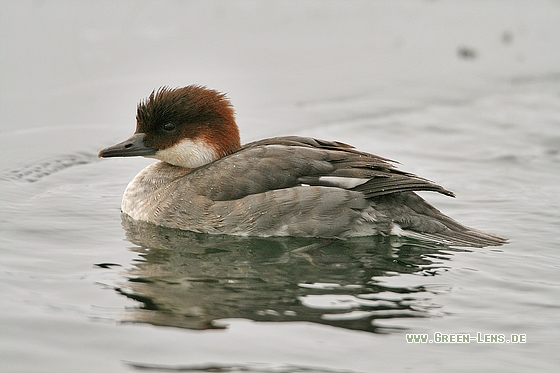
x,y
285,162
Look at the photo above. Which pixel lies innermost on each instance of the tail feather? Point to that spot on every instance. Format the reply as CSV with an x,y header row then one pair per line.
x,y
417,218
468,238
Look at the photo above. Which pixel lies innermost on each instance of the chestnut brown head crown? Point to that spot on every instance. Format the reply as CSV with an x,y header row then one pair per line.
x,y
193,112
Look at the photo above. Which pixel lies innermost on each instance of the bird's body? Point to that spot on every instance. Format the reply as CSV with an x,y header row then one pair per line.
x,y
285,186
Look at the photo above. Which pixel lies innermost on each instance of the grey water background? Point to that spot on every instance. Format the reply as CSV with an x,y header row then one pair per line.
x,y
464,93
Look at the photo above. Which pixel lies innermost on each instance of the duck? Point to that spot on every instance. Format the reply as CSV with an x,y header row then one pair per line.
x,y
205,181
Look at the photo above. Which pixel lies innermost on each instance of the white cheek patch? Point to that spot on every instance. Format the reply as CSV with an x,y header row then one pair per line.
x,y
188,153
342,182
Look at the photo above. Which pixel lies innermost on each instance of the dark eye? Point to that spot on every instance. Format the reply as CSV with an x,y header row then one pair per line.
x,y
169,127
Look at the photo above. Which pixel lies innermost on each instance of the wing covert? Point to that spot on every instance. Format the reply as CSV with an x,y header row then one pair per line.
x,y
285,162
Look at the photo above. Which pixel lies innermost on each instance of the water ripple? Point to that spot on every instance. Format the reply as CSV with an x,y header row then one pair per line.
x,y
34,172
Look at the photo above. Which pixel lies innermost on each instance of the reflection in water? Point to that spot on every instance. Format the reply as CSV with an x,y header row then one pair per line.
x,y
190,280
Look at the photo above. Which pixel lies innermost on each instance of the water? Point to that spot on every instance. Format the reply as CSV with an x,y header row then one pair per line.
x,y
84,289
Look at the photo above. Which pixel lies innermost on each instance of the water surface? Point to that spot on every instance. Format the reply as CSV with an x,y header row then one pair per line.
x,y
86,289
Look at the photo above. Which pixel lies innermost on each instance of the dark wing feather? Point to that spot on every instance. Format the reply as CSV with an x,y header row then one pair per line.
x,y
378,186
